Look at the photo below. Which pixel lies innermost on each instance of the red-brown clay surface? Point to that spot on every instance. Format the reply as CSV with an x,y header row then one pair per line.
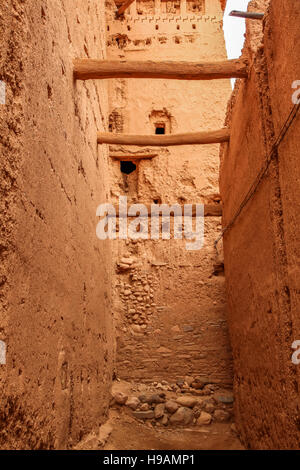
x,y
107,340
262,248
55,282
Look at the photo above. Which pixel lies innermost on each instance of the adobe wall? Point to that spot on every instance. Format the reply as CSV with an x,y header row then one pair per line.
x,y
262,247
55,274
169,305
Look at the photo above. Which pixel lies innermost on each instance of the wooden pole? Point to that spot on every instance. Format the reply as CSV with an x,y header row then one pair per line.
x,y
88,69
124,7
129,157
193,138
210,210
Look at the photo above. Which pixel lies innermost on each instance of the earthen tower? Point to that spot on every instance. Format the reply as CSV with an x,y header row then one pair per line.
x,y
169,305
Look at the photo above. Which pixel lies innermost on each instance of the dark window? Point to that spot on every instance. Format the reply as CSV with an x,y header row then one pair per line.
x,y
160,129
127,167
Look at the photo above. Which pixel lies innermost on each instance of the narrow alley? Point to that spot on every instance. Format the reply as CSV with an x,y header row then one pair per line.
x,y
149,226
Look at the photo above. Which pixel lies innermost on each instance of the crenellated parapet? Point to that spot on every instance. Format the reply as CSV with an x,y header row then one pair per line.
x,y
164,24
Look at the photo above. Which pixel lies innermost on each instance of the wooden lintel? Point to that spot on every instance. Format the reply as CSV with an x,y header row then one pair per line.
x,y
193,138
87,69
132,157
210,210
124,7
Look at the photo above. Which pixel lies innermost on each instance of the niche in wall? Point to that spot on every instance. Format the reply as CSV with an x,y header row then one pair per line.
x,y
145,7
161,121
118,40
171,7
115,122
196,6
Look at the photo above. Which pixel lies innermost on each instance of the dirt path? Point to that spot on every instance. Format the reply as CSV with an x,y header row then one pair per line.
x,y
129,434
133,424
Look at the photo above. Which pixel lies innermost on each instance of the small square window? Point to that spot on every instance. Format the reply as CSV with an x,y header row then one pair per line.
x,y
160,129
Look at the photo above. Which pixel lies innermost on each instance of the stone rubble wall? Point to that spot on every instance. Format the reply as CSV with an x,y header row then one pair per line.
x,y
169,304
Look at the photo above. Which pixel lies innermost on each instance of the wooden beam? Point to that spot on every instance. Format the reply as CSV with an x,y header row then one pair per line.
x,y
210,210
87,69
213,210
193,138
124,7
129,157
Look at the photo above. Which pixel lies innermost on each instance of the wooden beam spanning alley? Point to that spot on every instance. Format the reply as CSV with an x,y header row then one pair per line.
x,y
210,210
133,156
87,69
193,138
124,7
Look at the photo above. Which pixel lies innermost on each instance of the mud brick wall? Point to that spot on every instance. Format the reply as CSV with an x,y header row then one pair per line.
x,y
169,305
55,275
262,248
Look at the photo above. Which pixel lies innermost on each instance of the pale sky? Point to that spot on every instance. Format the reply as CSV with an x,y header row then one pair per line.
x,y
234,28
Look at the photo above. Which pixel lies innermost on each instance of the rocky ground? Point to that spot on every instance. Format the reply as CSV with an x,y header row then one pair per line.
x,y
168,416
190,401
